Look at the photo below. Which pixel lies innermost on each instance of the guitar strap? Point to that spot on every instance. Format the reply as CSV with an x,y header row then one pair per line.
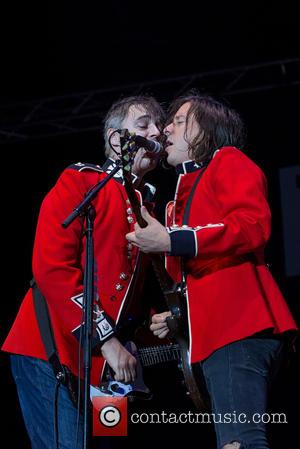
x,y
187,208
61,372
186,215
46,331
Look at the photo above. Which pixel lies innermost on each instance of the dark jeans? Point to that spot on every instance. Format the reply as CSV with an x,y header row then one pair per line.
x,y
238,378
36,387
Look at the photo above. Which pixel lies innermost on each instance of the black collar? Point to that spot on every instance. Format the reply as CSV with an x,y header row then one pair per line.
x,y
109,164
183,168
190,166
107,167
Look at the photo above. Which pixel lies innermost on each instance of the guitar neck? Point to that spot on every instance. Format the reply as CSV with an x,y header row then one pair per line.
x,y
164,279
153,355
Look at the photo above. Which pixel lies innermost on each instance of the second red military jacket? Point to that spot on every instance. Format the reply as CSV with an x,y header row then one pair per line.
x,y
229,220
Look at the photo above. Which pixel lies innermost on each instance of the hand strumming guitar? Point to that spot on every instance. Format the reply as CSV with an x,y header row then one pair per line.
x,y
120,360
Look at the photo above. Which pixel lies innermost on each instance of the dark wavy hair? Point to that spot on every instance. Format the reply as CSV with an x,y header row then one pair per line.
x,y
219,124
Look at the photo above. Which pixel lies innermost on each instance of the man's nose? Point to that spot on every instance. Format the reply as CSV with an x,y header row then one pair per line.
x,y
154,131
167,129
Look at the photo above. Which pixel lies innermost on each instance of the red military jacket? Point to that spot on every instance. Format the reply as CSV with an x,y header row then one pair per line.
x,y
229,219
58,262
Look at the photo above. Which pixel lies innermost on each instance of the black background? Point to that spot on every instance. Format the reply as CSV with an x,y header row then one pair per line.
x,y
65,47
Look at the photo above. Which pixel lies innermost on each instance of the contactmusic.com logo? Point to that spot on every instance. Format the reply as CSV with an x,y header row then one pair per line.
x,y
109,416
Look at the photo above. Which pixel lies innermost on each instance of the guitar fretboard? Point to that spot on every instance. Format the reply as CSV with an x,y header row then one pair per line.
x,y
152,355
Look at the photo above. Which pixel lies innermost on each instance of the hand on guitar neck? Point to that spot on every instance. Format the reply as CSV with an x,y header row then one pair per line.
x,y
159,325
153,238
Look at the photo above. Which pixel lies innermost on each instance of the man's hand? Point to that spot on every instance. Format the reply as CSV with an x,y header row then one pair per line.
x,y
120,360
143,163
159,325
152,239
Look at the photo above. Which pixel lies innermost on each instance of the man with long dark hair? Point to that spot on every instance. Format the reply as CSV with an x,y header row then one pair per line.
x,y
216,231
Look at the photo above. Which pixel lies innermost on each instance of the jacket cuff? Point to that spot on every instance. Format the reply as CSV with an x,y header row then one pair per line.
x,y
183,242
103,330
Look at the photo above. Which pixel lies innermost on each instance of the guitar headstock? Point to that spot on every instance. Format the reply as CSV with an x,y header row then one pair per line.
x,y
128,151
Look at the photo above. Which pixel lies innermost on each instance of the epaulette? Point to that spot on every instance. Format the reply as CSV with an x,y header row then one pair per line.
x,y
79,166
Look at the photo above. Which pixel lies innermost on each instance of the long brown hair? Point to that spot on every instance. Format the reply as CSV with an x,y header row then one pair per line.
x,y
219,124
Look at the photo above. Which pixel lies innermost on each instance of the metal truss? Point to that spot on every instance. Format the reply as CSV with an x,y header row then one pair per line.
x,y
81,112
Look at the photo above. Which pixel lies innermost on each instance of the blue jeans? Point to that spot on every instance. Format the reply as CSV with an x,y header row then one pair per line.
x,y
36,389
238,378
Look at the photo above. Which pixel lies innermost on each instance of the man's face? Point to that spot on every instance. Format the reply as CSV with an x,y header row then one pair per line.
x,y
179,133
137,121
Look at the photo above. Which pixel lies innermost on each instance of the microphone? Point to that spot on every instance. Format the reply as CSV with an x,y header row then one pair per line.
x,y
151,146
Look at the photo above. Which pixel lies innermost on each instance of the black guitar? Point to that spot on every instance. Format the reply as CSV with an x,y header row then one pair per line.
x,y
146,356
175,294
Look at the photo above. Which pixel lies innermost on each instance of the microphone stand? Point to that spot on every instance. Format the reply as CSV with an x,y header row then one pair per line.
x,y
87,209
